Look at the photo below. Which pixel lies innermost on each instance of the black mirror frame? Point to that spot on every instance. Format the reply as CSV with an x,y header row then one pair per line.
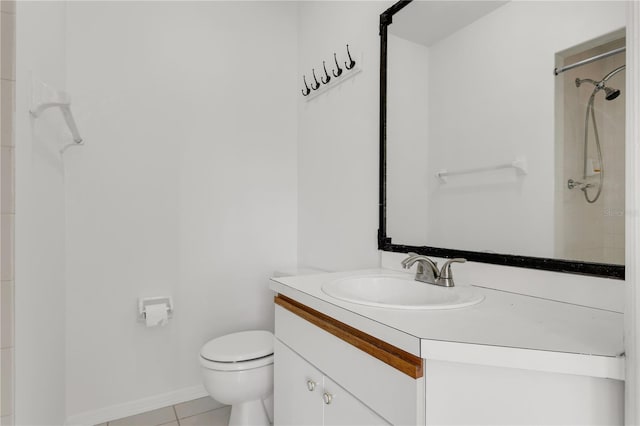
x,y
384,241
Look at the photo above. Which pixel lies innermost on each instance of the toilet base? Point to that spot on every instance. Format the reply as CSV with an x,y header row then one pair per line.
x,y
249,413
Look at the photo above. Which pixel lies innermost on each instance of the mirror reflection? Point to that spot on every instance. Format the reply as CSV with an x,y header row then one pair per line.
x,y
505,128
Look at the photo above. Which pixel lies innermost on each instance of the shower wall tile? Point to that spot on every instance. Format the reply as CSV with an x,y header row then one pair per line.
x,y
7,178
7,113
594,232
614,255
6,385
8,6
6,314
609,240
614,224
7,208
6,247
7,46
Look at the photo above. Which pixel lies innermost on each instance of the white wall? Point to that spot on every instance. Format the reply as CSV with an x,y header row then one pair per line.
x,y
338,138
407,141
186,186
39,229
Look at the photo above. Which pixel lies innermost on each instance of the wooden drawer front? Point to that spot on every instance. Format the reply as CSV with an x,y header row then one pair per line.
x,y
385,352
389,392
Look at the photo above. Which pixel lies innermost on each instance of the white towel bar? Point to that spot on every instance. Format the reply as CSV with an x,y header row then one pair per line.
x,y
519,164
45,97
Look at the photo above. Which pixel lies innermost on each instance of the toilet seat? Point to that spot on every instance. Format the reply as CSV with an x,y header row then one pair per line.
x,y
238,351
236,366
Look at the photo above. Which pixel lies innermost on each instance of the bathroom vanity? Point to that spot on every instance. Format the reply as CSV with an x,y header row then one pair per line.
x,y
511,359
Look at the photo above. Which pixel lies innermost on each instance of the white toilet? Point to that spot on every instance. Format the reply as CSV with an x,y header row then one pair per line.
x,y
238,370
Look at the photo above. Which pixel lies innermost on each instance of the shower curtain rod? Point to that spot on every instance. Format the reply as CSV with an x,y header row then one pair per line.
x,y
588,60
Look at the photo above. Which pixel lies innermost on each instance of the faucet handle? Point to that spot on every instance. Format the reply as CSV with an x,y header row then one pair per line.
x,y
410,259
446,275
422,260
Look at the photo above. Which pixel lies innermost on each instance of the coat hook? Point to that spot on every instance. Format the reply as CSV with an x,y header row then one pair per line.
x,y
326,77
336,74
351,63
306,90
317,84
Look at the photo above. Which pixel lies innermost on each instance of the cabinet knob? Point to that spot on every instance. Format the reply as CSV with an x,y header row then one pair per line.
x,y
311,385
327,397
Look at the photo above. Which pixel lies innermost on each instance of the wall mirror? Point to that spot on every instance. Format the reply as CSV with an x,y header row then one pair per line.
x,y
502,132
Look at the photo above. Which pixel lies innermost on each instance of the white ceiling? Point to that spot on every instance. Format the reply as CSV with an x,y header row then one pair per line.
x,y
427,21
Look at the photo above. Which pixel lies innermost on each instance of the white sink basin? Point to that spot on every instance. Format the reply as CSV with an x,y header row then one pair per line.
x,y
392,291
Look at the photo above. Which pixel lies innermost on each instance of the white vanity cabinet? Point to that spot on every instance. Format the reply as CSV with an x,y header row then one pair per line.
x,y
511,359
326,373
345,409
297,396
304,396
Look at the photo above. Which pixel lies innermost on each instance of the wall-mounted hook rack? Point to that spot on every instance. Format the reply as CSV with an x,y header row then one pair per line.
x,y
338,71
327,78
351,67
306,90
316,84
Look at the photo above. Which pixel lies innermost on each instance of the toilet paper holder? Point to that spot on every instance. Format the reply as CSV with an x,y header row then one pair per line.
x,y
143,302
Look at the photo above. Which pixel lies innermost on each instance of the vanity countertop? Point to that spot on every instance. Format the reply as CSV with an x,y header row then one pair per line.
x,y
504,330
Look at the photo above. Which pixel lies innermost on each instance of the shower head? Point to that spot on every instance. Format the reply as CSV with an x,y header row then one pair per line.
x,y
611,94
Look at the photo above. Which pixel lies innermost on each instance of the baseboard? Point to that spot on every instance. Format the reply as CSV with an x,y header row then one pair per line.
x,y
136,407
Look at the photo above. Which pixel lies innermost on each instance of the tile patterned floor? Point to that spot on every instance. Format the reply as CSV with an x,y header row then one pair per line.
x,y
199,412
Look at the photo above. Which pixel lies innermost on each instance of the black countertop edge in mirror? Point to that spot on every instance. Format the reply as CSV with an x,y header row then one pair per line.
x,y
384,241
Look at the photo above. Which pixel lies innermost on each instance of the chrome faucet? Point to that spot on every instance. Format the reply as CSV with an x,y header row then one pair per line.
x,y
427,271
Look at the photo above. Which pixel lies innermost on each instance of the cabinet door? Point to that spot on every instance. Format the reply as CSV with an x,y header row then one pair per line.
x,y
297,389
341,408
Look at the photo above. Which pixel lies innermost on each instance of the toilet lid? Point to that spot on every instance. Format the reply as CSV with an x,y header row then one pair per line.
x,y
236,347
